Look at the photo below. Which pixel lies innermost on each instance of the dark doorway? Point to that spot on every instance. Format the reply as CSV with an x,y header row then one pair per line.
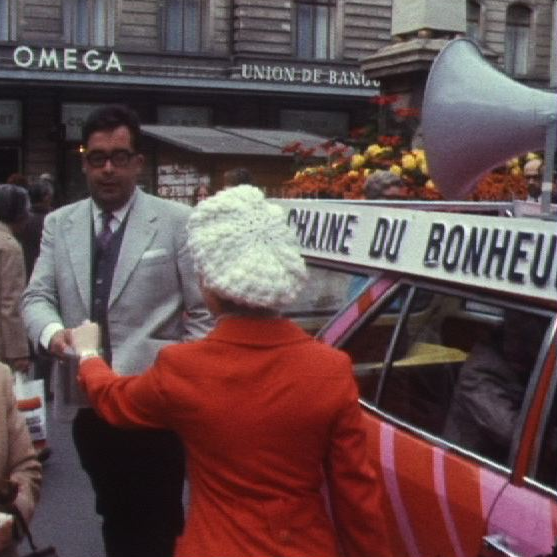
x,y
9,162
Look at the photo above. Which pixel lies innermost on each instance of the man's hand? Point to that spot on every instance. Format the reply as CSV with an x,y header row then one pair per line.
x,y
19,364
60,344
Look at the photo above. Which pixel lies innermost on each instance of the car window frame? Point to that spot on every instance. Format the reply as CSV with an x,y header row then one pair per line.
x,y
490,298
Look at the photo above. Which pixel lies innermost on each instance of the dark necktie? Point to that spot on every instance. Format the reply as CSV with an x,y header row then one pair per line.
x,y
106,232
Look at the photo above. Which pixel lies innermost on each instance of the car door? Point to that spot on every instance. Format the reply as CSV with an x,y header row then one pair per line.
x,y
443,474
523,520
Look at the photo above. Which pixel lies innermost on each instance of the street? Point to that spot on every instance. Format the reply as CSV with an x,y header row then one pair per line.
x,y
65,516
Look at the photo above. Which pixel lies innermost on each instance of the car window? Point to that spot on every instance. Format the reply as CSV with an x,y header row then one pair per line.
x,y
457,370
325,293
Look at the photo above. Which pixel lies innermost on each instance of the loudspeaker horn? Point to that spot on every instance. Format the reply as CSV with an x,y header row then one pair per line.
x,y
475,118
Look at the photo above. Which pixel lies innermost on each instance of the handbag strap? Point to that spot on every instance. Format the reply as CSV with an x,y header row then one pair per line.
x,y
22,523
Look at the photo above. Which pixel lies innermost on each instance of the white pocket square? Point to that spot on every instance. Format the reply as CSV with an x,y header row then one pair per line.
x,y
154,253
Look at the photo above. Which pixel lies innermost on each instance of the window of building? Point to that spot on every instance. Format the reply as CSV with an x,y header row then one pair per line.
x,y
89,22
184,21
473,13
316,29
517,36
7,20
431,360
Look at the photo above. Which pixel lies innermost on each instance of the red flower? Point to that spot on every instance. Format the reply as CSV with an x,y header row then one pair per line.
x,y
356,133
390,140
292,147
408,112
306,153
384,100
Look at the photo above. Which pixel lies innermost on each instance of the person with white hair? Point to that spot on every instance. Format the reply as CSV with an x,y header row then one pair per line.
x,y
533,172
266,412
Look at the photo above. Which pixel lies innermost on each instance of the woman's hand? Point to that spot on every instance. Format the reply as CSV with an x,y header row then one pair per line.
x,y
85,339
6,530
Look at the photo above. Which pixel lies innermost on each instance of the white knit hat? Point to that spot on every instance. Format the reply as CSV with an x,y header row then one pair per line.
x,y
243,249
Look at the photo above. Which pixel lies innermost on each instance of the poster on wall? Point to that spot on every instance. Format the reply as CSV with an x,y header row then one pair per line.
x,y
178,182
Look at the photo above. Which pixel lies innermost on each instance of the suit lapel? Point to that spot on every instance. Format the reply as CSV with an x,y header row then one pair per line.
x,y
78,242
139,233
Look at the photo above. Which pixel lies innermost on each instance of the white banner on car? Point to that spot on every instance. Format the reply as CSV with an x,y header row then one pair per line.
x,y
517,255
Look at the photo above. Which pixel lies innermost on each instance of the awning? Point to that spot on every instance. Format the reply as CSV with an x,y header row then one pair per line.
x,y
235,141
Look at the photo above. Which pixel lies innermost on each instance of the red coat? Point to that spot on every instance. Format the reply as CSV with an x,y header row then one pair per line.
x,y
263,410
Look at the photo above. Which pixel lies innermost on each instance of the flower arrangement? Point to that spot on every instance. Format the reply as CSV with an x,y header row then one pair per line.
x,y
344,174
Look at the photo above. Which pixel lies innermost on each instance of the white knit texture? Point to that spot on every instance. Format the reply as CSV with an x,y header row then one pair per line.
x,y
243,249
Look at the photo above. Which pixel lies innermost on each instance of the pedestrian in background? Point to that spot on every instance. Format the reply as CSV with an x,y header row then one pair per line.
x,y
384,184
119,258
20,471
265,410
18,179
41,195
14,211
236,176
200,193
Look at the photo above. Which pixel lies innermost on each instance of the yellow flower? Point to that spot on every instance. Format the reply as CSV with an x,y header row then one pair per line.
x,y
408,162
374,150
353,174
512,162
532,156
419,155
357,161
516,171
430,185
367,172
396,169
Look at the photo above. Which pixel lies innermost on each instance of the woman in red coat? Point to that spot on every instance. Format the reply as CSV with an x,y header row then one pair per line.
x,y
266,412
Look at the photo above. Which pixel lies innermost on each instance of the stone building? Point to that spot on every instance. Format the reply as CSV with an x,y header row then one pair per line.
x,y
216,67
518,36
252,64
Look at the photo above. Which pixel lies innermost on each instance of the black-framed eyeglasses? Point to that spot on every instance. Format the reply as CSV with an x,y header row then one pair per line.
x,y
118,158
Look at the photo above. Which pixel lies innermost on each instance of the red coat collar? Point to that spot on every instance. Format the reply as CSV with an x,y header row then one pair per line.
x,y
259,331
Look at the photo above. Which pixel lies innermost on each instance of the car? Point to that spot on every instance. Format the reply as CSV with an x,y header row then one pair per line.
x,y
449,316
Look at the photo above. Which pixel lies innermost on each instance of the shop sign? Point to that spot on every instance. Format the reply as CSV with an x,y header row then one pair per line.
x,y
184,115
73,117
178,181
66,59
308,76
10,119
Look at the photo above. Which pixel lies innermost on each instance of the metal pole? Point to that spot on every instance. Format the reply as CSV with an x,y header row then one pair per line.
x,y
547,183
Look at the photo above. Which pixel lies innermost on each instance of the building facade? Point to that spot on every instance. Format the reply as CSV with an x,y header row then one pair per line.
x,y
518,36
309,65
269,64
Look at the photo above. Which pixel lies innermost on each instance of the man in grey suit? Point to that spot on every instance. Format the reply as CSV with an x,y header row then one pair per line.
x,y
119,258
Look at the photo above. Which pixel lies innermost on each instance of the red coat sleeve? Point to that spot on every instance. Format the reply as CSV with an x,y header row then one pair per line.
x,y
136,401
355,492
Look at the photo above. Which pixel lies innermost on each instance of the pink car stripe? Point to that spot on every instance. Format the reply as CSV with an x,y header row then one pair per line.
x,y
391,485
441,492
341,325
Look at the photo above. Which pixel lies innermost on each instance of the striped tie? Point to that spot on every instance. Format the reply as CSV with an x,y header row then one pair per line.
x,y
106,233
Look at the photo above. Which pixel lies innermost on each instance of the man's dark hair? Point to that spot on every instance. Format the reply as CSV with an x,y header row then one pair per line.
x,y
14,203
237,176
108,118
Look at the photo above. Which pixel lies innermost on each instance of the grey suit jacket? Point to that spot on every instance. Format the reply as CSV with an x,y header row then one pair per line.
x,y
154,300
